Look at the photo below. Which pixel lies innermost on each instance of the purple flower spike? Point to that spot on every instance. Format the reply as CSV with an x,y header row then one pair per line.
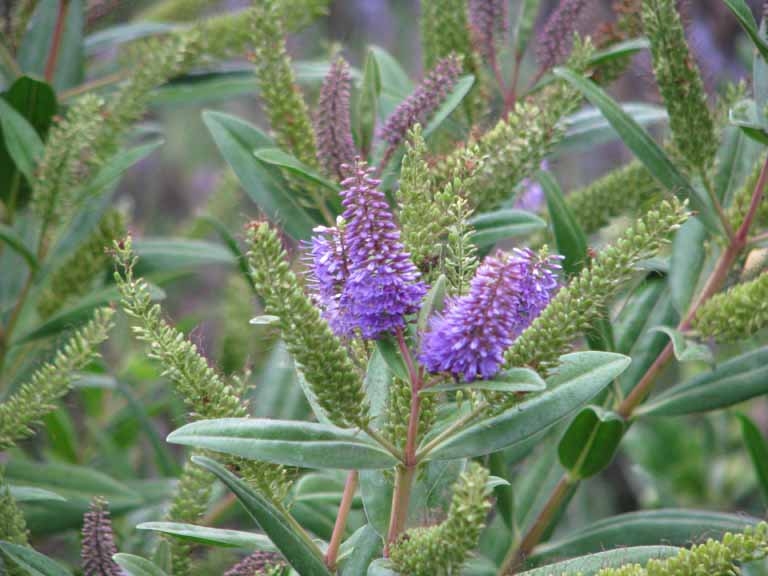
x,y
488,20
98,545
335,146
420,105
330,270
383,284
557,37
506,294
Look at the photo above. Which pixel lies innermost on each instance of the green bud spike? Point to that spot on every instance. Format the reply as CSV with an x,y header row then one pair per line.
x,y
736,314
693,131
319,354
442,549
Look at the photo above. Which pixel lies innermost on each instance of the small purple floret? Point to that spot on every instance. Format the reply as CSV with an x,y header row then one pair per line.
x,y
330,270
507,293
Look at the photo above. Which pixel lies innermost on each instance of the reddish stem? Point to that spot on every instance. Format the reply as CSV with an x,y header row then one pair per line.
x,y
341,520
58,32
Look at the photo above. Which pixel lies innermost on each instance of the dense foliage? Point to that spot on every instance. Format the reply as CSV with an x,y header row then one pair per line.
x,y
428,358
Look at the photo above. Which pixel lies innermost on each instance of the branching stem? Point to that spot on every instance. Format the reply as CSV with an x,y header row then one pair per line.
x,y
58,32
341,520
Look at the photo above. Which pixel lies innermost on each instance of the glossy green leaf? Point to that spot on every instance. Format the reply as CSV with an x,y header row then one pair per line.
x,y
619,50
163,255
390,351
744,15
734,381
736,159
277,393
685,350
276,157
592,564
492,227
675,527
211,536
757,448
433,303
32,562
643,146
303,444
367,104
36,44
11,238
588,128
392,75
113,36
36,102
79,312
570,239
450,103
300,552
137,566
22,142
368,546
591,441
632,320
236,139
381,567
746,115
760,76
32,494
688,256
577,380
512,380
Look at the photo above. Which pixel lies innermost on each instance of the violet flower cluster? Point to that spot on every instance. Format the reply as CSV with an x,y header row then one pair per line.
x,y
508,291
335,145
420,105
363,278
556,39
488,20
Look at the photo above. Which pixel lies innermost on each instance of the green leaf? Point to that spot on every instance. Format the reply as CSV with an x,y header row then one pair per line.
x,y
675,527
367,104
592,564
688,256
760,77
236,139
113,36
633,320
590,442
33,563
36,102
433,302
451,102
276,157
10,237
302,444
757,447
392,76
21,140
381,567
619,50
734,381
278,393
747,20
512,380
390,351
137,566
736,159
643,146
211,536
78,313
588,128
685,350
577,380
32,494
300,552
750,120
162,255
111,172
36,44
368,546
492,227
569,237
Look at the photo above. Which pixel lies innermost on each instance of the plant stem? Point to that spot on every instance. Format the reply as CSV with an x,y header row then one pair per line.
x,y
341,520
391,448
516,555
451,430
716,203
9,61
53,54
628,406
93,85
401,497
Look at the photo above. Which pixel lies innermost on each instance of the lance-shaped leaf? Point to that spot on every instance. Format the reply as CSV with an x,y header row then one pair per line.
x,y
675,527
590,442
492,227
757,447
643,146
593,563
734,381
744,15
577,380
300,552
137,566
512,380
211,536
31,562
293,443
